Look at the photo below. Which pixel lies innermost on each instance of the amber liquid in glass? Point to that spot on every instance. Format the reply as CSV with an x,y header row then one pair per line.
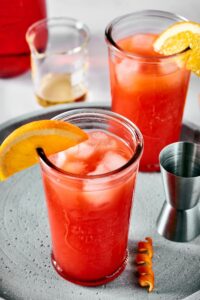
x,y
58,88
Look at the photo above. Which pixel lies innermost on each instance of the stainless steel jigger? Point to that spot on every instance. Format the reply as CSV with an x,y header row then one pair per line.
x,y
179,219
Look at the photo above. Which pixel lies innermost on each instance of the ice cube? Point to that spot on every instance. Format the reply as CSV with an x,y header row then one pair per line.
x,y
82,151
139,44
142,43
99,198
168,68
85,151
72,151
126,72
111,145
96,197
109,193
105,194
58,159
75,167
103,141
100,169
99,136
112,161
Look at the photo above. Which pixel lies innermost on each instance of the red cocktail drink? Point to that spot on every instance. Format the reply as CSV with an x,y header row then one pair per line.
x,y
15,18
89,190
147,88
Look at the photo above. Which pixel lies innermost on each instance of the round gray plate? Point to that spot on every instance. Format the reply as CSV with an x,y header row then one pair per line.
x,y
25,267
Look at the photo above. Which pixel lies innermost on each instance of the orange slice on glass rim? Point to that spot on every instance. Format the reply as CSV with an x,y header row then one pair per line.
x,y
18,150
181,37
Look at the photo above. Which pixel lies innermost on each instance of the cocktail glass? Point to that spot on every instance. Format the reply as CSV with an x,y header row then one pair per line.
x,y
147,88
89,214
59,60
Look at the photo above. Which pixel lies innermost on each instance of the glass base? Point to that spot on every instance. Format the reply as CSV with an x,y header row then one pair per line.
x,y
46,103
96,282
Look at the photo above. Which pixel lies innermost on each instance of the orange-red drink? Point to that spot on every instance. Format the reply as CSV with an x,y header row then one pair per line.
x,y
147,88
89,190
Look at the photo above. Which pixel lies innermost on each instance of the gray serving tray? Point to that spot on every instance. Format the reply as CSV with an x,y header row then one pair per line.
x,y
25,268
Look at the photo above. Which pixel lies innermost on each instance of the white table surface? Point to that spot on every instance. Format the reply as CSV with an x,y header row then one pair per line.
x,y
16,94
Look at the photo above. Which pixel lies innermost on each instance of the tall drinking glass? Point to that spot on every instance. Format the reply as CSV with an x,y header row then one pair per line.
x,y
89,214
146,87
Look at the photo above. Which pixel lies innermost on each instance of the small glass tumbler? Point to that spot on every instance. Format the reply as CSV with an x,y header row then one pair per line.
x,y
146,87
89,214
59,60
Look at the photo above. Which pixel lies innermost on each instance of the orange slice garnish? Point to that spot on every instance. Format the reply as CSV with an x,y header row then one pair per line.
x,y
181,37
18,151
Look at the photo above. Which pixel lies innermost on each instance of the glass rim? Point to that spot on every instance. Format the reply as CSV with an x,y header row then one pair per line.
x,y
58,21
149,12
100,112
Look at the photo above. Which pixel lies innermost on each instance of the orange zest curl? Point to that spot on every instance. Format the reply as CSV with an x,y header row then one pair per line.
x,y
143,261
146,247
149,240
145,270
147,281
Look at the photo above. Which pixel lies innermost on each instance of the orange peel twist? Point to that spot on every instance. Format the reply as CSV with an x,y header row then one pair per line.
x,y
146,246
145,270
147,280
143,261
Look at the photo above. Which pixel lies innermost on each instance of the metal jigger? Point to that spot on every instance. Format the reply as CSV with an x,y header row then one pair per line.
x,y
179,219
